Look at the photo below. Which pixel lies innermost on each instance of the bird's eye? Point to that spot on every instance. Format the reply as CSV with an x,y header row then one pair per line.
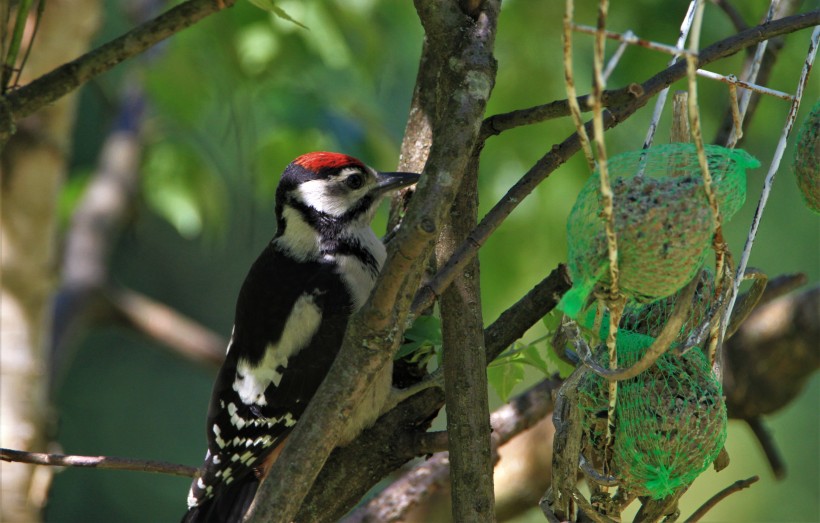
x,y
354,181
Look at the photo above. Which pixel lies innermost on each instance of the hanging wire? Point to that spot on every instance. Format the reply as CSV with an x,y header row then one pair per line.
x,y
659,104
746,96
767,186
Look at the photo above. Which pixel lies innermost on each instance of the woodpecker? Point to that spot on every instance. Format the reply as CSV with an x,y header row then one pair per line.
x,y
291,315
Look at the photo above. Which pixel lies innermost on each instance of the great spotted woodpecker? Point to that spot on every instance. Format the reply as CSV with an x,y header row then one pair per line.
x,y
290,320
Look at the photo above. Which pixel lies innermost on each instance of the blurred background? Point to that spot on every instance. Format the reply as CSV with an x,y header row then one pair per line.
x,y
222,107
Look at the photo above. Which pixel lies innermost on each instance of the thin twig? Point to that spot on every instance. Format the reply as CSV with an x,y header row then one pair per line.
x,y
683,33
560,153
64,79
569,83
427,477
631,38
182,335
616,57
720,496
751,77
100,462
733,81
614,300
737,118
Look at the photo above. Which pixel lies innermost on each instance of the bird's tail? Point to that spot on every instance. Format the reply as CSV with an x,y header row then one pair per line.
x,y
229,505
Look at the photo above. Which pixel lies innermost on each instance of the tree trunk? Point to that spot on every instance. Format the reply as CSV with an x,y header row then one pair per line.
x,y
32,169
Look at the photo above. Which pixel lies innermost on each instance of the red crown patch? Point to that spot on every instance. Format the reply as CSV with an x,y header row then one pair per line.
x,y
317,161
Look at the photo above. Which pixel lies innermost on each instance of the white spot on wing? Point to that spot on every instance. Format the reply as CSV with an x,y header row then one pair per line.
x,y
302,323
236,420
219,441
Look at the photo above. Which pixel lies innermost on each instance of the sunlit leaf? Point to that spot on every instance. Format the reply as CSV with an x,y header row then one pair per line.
x,y
424,334
504,377
531,355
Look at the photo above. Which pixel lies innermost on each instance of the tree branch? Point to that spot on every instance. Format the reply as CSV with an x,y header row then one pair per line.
x,y
64,79
720,496
465,368
385,447
773,48
639,95
767,443
374,332
393,503
526,312
182,335
95,225
498,123
98,462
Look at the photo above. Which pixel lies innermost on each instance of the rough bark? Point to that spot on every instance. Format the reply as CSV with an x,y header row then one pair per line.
x,y
465,368
374,332
33,168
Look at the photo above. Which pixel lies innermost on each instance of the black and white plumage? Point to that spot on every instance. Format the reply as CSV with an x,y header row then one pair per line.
x,y
291,316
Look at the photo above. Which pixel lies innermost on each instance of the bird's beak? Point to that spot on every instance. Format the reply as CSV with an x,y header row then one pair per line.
x,y
392,181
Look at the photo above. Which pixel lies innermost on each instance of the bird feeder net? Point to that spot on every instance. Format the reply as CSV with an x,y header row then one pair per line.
x,y
807,159
663,221
670,420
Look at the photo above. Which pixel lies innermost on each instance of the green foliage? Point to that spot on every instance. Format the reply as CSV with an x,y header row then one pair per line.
x,y
245,91
504,376
424,339
181,189
507,370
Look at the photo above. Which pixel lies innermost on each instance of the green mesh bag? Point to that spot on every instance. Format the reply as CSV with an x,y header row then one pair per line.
x,y
650,319
662,219
670,420
807,159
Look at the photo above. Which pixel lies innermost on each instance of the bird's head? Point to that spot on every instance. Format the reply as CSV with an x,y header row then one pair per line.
x,y
335,189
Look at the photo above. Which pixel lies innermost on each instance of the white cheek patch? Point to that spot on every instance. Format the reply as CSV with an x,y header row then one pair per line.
x,y
315,193
300,240
302,323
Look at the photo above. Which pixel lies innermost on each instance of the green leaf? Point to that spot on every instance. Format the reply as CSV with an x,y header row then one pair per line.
x,y
424,335
532,356
504,377
425,328
270,5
